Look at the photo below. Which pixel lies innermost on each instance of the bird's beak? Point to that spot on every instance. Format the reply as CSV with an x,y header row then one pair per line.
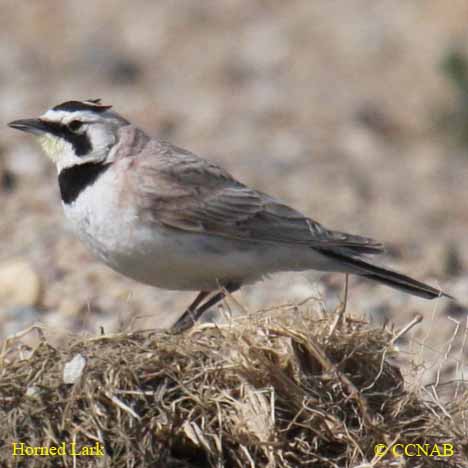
x,y
35,126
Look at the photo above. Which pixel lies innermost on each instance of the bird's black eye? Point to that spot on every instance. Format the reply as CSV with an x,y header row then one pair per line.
x,y
75,125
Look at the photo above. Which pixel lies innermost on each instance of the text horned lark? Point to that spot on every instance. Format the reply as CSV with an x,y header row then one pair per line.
x,y
166,217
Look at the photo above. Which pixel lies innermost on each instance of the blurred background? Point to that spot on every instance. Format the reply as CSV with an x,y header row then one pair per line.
x,y
354,112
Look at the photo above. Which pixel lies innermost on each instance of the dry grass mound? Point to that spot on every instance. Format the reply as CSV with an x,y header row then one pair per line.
x,y
281,388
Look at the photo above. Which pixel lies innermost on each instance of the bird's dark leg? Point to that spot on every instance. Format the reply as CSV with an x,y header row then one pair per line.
x,y
192,307
195,310
230,287
200,298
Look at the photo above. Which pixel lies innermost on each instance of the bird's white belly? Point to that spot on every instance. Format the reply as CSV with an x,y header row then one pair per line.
x,y
164,257
170,258
150,253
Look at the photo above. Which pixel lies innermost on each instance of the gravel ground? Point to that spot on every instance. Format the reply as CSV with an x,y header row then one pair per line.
x,y
334,107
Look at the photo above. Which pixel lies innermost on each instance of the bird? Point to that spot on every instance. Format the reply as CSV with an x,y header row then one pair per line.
x,y
165,217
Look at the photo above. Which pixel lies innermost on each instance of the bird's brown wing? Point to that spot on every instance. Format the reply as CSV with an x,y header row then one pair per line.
x,y
178,189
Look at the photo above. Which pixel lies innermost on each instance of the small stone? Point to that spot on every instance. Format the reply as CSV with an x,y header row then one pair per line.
x,y
19,284
372,116
33,391
124,71
69,307
73,369
8,181
456,310
453,261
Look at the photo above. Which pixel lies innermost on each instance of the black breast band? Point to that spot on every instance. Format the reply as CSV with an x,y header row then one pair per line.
x,y
73,180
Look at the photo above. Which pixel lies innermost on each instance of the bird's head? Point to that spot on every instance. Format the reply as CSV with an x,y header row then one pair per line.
x,y
75,132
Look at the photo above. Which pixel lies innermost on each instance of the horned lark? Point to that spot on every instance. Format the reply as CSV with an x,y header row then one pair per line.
x,y
164,216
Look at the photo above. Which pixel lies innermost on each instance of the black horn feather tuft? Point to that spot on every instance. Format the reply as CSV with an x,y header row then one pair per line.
x,y
93,105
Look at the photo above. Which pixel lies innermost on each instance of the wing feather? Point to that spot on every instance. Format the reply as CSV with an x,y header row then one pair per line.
x,y
180,190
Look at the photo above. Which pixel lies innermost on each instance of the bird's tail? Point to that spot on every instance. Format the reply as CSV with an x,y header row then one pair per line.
x,y
388,277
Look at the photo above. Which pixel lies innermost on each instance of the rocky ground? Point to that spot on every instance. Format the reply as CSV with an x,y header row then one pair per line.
x,y
352,112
